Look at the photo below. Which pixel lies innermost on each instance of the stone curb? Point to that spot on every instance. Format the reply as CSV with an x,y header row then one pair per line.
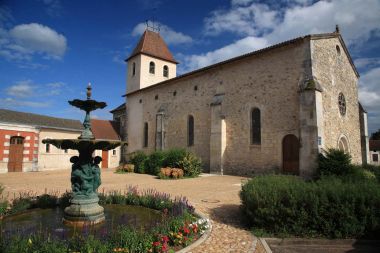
x,y
202,238
265,245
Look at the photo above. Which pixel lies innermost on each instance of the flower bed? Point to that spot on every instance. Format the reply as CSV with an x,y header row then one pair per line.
x,y
179,227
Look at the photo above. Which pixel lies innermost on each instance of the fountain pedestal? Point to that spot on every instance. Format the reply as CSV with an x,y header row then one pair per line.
x,y
84,210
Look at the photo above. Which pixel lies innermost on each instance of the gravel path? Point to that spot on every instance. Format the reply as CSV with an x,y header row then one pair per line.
x,y
215,196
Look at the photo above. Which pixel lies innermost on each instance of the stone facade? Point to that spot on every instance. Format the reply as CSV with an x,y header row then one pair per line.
x,y
295,85
332,68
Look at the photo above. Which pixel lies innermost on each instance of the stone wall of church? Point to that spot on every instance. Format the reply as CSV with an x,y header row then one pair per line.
x,y
268,81
332,69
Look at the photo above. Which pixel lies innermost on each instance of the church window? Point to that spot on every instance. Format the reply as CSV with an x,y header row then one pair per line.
x,y
255,126
156,97
343,144
152,67
190,130
342,104
166,71
140,101
337,49
145,135
133,69
195,87
47,148
375,157
174,93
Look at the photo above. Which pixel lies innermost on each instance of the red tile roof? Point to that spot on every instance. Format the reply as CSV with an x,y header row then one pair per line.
x,y
374,145
105,129
152,44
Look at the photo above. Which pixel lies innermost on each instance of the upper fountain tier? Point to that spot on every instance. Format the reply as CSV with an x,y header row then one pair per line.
x,y
86,140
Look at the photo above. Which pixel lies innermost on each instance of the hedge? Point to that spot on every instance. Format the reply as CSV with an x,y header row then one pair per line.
x,y
329,207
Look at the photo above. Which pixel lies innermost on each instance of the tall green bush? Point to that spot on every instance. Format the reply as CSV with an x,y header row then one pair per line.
x,y
139,160
173,157
191,165
155,162
330,207
334,162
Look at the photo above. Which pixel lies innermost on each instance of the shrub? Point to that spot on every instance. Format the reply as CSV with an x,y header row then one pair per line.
x,y
138,159
334,162
191,165
375,169
173,157
47,201
328,207
20,204
154,162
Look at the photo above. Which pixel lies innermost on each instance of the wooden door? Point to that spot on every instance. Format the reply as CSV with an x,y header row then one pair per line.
x,y
104,159
15,154
290,154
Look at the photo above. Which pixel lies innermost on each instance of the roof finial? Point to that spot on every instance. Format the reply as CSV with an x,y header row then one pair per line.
x,y
337,30
89,91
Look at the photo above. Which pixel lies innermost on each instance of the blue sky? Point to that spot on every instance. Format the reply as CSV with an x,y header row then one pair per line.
x,y
51,49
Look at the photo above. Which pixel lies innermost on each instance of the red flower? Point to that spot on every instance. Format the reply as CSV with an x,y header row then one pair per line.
x,y
165,239
155,244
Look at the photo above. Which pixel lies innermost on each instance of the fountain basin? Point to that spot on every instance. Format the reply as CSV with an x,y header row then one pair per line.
x,y
50,221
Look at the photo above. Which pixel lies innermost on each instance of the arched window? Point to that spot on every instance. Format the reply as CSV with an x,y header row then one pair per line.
x,y
166,71
255,126
190,130
133,69
152,67
145,134
343,144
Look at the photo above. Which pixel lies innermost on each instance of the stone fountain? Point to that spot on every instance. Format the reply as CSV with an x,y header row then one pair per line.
x,y
84,208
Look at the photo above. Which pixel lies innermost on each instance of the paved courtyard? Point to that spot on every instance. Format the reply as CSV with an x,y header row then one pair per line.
x,y
215,196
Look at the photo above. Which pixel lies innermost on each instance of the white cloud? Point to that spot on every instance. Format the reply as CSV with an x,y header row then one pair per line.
x,y
11,103
170,36
367,62
21,89
244,20
27,88
369,96
239,47
264,25
22,42
53,7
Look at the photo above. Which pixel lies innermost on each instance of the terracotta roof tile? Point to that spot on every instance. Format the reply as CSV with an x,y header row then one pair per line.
x,y
374,145
105,129
152,44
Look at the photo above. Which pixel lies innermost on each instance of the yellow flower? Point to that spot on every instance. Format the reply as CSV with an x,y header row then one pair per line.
x,y
30,241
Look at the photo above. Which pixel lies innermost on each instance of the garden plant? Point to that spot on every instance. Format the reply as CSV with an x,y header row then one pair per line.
x,y
179,226
341,202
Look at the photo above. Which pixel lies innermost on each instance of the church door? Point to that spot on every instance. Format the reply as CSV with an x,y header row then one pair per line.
x,y
104,159
15,154
290,154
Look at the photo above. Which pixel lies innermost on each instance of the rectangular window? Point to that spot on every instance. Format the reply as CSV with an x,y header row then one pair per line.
x,y
145,144
47,148
255,126
66,151
114,152
375,157
190,131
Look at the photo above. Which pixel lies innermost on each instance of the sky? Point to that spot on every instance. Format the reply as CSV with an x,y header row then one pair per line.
x,y
51,49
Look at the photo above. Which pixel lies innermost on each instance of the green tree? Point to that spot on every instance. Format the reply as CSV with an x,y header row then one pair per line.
x,y
375,135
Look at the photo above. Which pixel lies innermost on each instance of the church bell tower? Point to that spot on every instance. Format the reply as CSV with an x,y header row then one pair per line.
x,y
151,62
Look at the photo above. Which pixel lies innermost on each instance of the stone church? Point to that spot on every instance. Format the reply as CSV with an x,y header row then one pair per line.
x,y
269,110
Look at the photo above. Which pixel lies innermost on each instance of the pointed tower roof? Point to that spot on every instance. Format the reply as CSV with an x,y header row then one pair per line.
x,y
153,45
